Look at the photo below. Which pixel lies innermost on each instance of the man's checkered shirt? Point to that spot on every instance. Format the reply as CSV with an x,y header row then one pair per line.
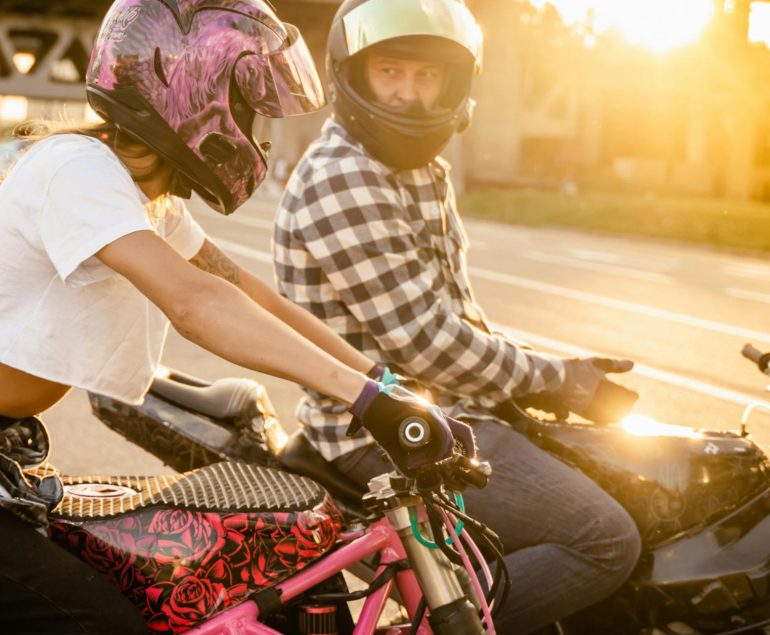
x,y
379,256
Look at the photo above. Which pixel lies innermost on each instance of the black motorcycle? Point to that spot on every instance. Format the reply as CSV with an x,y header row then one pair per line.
x,y
700,498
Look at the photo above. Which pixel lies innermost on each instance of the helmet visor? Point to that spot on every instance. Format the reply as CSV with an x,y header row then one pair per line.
x,y
376,21
283,82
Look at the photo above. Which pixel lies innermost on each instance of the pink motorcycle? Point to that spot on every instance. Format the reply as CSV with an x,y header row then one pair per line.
x,y
238,549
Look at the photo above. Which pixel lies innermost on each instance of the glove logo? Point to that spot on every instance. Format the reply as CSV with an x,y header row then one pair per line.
x,y
415,432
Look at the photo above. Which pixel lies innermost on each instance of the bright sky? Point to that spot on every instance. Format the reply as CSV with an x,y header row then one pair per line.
x,y
658,25
759,24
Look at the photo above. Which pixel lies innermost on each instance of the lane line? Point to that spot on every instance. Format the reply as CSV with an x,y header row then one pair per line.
x,y
619,270
629,307
552,289
731,396
743,294
656,264
757,272
694,385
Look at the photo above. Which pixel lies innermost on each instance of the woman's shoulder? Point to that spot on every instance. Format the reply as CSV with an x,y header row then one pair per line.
x,y
76,156
71,146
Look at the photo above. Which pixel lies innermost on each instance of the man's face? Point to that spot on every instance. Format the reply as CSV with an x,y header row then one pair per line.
x,y
396,81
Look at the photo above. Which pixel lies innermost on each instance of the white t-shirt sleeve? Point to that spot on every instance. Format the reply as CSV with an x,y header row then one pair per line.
x,y
182,232
91,202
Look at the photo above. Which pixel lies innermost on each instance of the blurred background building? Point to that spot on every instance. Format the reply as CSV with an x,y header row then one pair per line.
x,y
665,96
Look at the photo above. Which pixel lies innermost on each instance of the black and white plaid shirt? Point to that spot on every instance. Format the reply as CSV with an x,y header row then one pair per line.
x,y
379,256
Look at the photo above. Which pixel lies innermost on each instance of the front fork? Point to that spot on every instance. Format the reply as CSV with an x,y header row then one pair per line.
x,y
451,610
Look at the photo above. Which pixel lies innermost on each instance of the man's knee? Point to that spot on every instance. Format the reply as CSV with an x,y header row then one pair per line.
x,y
620,545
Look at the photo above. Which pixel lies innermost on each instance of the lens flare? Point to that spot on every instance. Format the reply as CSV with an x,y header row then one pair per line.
x,y
642,426
657,25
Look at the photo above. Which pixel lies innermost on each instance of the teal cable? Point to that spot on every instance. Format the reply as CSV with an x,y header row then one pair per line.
x,y
429,543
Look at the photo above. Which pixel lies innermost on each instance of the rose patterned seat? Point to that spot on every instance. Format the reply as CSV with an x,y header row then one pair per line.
x,y
184,547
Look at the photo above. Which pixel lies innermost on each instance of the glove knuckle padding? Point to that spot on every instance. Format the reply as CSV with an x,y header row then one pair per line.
x,y
383,419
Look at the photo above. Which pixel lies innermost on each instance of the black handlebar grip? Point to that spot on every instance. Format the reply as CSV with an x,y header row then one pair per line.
x,y
413,432
762,360
472,472
479,481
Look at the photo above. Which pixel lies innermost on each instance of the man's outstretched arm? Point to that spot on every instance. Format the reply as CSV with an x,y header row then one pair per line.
x,y
361,240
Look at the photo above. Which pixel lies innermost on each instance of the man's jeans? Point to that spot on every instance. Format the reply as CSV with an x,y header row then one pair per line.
x,y
569,544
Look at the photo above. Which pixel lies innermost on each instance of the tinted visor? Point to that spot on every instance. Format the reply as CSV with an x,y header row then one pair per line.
x,y
283,82
377,21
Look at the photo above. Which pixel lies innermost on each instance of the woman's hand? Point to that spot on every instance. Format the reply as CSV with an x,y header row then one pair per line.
x,y
413,432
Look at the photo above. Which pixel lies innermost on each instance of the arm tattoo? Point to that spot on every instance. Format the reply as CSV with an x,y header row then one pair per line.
x,y
211,259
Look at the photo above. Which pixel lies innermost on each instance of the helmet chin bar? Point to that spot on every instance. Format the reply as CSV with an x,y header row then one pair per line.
x,y
403,138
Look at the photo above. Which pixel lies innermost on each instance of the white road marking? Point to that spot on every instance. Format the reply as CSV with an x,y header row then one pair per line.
x,y
622,305
731,396
656,263
552,289
597,266
563,348
743,294
757,272
590,254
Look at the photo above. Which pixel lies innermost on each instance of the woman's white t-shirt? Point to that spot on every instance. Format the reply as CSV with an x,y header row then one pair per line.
x,y
64,315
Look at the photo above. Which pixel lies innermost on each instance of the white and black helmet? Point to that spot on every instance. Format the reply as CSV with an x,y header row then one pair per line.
x,y
432,30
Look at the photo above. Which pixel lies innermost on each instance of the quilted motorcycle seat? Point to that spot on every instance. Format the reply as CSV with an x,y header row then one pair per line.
x,y
222,487
186,547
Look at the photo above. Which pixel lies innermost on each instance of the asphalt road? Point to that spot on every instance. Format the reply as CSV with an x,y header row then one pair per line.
x,y
681,312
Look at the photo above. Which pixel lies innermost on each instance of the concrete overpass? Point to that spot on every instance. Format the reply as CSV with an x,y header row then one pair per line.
x,y
45,44
45,47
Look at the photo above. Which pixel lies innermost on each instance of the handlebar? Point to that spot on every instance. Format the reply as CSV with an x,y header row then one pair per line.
x,y
762,360
457,471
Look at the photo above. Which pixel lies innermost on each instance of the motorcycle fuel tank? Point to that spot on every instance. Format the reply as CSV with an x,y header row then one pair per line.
x,y
671,479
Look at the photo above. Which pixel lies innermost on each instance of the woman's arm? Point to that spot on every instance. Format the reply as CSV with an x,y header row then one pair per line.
x,y
221,318
210,258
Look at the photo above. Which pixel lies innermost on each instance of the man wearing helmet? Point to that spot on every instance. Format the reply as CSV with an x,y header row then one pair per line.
x,y
97,256
368,238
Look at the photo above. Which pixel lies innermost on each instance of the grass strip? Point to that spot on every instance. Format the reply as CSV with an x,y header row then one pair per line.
x,y
726,224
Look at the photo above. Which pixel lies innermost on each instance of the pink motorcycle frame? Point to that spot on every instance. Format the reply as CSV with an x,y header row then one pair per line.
x,y
377,537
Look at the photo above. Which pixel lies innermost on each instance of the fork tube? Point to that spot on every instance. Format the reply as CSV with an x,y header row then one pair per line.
x,y
433,570
451,612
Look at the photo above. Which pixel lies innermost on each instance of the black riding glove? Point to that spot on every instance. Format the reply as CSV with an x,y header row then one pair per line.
x,y
413,432
587,392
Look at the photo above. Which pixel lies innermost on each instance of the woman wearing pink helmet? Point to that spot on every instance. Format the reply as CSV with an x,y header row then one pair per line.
x,y
98,254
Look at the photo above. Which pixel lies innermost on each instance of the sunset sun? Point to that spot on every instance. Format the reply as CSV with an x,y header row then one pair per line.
x,y
657,25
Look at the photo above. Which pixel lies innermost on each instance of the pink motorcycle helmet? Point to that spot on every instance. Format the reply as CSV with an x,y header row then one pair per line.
x,y
192,79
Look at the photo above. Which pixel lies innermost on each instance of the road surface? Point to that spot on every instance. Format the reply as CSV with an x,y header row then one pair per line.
x,y
681,312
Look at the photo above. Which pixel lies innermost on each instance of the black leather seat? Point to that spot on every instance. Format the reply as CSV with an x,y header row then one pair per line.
x,y
300,457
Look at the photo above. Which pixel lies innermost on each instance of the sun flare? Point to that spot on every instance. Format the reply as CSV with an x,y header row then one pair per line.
x,y
642,426
657,25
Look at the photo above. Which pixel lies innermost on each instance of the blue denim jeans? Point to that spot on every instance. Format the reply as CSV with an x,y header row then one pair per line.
x,y
568,543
